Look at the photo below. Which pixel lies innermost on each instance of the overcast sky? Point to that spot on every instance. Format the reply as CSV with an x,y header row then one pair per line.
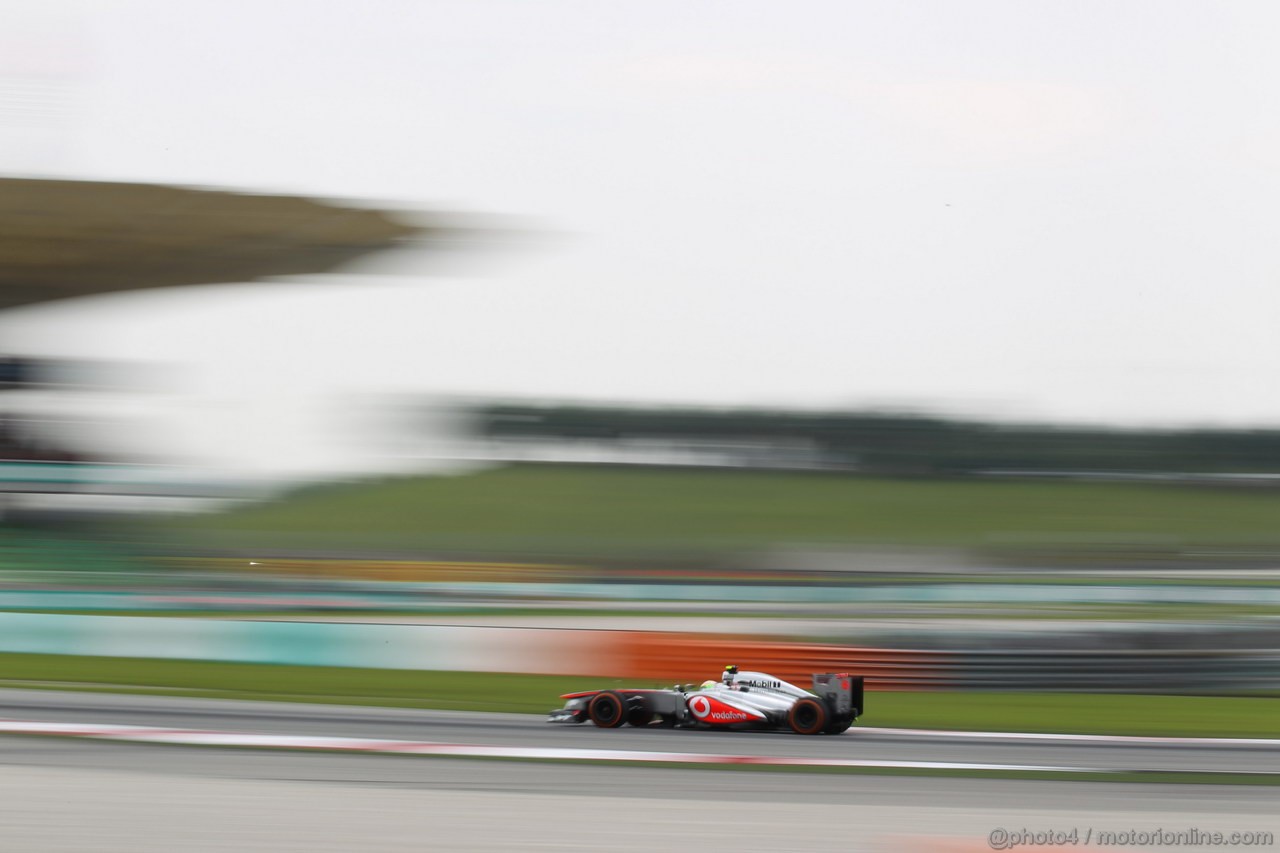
x,y
1029,210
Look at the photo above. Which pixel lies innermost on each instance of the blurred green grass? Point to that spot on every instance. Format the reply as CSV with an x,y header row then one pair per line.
x,y
1212,716
577,508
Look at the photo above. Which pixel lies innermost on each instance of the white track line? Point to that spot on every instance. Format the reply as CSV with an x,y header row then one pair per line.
x,y
1126,739
191,737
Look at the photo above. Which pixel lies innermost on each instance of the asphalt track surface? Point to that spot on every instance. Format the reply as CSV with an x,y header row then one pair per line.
x,y
528,730
71,794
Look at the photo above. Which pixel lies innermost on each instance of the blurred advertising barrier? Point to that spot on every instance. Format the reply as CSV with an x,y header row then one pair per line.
x,y
552,651
639,655
666,656
364,645
673,656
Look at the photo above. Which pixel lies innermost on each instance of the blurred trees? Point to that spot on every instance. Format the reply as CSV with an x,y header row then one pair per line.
x,y
900,444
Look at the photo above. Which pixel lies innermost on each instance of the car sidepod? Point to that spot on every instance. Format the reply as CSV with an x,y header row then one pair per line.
x,y
717,709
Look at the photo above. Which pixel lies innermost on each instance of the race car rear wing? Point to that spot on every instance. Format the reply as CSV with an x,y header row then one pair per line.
x,y
842,692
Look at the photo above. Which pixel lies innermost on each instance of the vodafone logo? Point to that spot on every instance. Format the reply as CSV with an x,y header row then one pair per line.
x,y
714,711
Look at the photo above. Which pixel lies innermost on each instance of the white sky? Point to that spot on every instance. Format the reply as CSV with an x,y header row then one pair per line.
x,y
1027,210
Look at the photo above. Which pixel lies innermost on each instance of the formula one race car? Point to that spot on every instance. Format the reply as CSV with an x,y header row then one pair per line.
x,y
740,700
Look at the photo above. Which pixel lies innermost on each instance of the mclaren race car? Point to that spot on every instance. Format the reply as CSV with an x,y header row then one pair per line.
x,y
739,700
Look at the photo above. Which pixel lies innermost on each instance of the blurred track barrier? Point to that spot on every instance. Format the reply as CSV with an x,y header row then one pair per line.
x,y
671,656
373,646
1130,671
553,651
645,655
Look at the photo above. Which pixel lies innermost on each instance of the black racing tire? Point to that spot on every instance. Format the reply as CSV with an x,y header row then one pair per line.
x,y
808,716
838,727
608,710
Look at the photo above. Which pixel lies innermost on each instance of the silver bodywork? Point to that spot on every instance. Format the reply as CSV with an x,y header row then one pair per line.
x,y
756,691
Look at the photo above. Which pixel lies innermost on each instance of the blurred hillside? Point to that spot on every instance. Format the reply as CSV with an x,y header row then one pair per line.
x,y
74,238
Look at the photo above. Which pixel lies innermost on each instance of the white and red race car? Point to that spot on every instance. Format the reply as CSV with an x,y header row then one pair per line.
x,y
739,700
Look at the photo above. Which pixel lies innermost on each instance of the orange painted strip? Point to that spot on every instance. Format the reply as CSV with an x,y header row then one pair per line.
x,y
680,657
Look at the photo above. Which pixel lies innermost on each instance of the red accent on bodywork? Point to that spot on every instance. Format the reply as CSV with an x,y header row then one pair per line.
x,y
619,690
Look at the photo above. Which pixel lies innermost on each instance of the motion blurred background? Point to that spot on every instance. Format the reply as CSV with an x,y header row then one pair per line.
x,y
934,342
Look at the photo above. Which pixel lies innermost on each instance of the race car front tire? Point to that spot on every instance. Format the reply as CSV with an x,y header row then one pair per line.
x,y
808,716
608,710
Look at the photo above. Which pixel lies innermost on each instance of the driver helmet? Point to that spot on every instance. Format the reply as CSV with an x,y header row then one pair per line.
x,y
708,684
729,672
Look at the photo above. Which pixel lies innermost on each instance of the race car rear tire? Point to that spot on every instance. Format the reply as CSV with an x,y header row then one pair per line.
x,y
608,710
838,726
808,716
